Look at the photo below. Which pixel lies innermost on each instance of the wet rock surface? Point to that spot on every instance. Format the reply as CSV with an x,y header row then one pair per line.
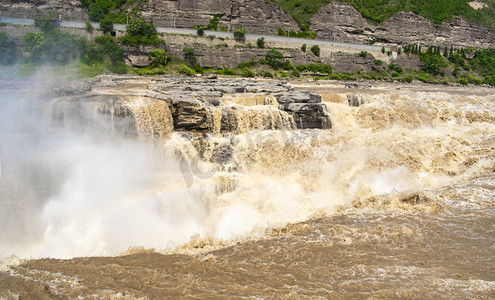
x,y
205,104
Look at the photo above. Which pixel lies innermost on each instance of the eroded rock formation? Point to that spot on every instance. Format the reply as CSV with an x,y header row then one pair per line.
x,y
254,15
154,108
67,9
343,23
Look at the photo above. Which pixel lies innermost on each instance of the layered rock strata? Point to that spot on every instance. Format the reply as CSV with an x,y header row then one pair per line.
x,y
253,15
153,108
343,23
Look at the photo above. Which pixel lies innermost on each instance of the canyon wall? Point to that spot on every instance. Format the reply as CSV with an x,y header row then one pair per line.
x,y
343,23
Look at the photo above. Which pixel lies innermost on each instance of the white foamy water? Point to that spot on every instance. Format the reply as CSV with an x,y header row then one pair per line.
x,y
76,182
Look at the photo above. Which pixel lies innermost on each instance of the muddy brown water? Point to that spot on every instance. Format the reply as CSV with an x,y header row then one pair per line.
x,y
395,201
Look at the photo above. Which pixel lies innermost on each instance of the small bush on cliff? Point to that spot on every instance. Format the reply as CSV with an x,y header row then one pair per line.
x,y
105,50
316,68
52,47
46,24
158,58
138,27
8,50
189,56
316,50
261,42
140,32
483,62
275,59
240,35
89,27
106,25
433,63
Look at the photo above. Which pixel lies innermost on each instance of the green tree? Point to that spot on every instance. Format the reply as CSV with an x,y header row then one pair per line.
x,y
158,57
316,50
138,27
46,24
106,25
433,63
383,50
8,50
189,57
89,27
96,13
240,34
261,42
303,48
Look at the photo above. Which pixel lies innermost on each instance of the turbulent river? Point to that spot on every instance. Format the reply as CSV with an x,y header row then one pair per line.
x,y
396,200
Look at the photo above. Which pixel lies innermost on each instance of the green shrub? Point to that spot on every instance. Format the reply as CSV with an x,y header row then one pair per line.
x,y
138,27
8,50
95,13
261,42
363,54
377,62
433,63
52,47
198,69
185,70
267,74
106,25
295,73
158,58
316,68
214,22
247,73
240,34
89,27
316,50
105,50
303,48
189,56
341,76
483,63
275,59
225,71
46,24
408,78
200,31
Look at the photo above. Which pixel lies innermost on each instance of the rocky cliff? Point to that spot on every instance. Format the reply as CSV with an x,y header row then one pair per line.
x,y
67,9
254,15
155,107
342,22
336,21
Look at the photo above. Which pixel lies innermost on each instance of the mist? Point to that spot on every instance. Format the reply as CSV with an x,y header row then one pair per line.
x,y
83,190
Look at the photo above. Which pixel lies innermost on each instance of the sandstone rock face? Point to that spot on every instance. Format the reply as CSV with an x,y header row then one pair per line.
x,y
254,15
342,23
156,107
67,9
307,109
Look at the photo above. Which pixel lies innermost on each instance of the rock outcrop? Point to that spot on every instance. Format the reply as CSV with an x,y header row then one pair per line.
x,y
343,23
254,15
154,108
67,9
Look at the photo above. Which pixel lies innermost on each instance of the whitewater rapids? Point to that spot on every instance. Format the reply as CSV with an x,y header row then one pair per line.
x,y
396,200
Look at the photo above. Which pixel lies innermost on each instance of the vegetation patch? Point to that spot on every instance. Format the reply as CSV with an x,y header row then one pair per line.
x,y
377,11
